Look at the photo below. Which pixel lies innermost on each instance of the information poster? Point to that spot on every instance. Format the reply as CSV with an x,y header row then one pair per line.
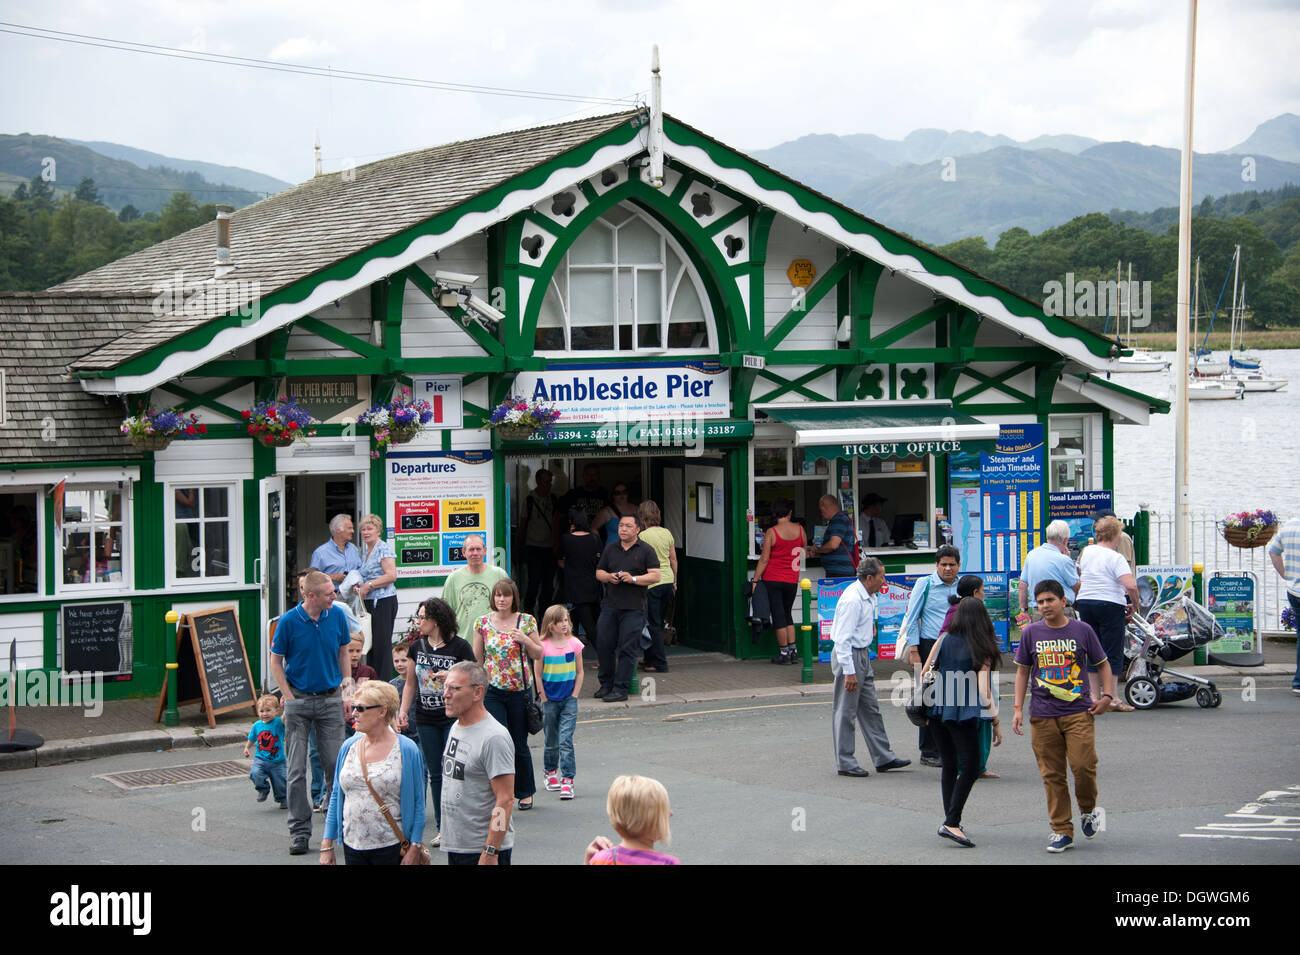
x,y
438,498
1010,487
1160,586
1232,601
997,601
964,505
891,604
1077,508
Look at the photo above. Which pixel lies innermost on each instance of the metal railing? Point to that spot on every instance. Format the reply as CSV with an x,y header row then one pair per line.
x,y
1208,547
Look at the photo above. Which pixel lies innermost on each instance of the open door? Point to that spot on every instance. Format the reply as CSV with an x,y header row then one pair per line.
x,y
270,565
695,501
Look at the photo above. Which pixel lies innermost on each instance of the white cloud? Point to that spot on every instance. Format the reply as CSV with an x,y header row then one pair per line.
x,y
302,49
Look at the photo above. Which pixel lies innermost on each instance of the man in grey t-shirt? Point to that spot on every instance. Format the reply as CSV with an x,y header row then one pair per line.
x,y
478,775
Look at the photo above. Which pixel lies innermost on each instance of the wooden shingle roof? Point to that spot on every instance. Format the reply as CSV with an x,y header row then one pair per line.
x,y
49,417
302,230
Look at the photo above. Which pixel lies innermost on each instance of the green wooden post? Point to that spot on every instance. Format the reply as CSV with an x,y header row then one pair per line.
x,y
806,645
173,716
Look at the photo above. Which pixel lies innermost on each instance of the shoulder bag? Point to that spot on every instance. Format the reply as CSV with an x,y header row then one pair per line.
x,y
915,707
532,709
405,844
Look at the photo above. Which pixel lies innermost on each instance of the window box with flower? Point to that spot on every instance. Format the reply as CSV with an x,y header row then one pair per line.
x,y
397,422
518,419
154,430
279,422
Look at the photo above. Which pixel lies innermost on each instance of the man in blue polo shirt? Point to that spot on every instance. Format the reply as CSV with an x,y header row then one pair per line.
x,y
309,655
1050,561
338,555
923,621
836,548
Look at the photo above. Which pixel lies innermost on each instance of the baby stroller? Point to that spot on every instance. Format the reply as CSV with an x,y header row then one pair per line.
x,y
1175,630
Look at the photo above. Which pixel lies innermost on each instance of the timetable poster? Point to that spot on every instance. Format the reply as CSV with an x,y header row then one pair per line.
x,y
1011,482
437,499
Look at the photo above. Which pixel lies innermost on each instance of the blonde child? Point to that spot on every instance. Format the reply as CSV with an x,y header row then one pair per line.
x,y
267,773
559,675
638,811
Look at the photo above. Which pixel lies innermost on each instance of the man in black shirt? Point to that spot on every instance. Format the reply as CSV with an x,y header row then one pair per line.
x,y
627,568
591,497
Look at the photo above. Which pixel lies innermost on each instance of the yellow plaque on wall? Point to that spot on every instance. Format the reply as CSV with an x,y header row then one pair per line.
x,y
801,273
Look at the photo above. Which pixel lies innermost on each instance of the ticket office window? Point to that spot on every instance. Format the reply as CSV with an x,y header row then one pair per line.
x,y
20,542
1070,452
95,550
905,483
781,473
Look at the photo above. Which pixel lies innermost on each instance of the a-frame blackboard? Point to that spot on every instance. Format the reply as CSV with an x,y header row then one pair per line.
x,y
212,664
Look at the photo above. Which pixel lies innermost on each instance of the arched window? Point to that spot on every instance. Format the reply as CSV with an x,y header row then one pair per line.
x,y
625,286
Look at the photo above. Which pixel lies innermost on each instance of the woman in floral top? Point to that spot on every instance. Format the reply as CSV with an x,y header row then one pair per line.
x,y
502,640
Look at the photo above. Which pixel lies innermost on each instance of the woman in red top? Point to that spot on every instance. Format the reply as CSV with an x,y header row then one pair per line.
x,y
778,567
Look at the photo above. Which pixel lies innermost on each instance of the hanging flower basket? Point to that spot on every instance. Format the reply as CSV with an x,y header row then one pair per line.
x,y
279,422
397,422
515,432
1248,529
154,430
517,419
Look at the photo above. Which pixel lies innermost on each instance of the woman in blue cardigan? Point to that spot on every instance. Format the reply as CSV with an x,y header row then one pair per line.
x,y
394,767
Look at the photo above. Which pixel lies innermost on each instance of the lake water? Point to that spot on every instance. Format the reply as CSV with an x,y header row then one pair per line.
x,y
1242,454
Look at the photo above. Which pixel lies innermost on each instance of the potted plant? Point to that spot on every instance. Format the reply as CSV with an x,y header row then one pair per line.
x,y
154,430
1288,618
518,419
398,421
279,422
1250,528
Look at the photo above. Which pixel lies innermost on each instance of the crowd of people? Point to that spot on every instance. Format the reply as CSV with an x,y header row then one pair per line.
x,y
451,705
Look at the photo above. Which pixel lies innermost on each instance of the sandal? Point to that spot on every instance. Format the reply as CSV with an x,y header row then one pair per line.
x,y
989,774
525,807
1119,706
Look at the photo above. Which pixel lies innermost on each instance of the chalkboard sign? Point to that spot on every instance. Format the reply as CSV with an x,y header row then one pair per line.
x,y
212,664
97,639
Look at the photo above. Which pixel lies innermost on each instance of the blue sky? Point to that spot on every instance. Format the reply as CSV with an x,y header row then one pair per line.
x,y
752,75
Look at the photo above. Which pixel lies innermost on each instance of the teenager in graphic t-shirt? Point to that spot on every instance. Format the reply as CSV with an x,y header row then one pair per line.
x,y
1053,659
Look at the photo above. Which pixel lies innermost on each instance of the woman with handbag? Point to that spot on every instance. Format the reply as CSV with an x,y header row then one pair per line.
x,y
778,568
503,640
377,806
961,662
378,571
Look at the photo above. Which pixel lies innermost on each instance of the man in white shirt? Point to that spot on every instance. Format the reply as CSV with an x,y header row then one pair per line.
x,y
1284,552
853,632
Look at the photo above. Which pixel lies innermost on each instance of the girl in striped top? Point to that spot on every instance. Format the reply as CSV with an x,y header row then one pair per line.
x,y
559,674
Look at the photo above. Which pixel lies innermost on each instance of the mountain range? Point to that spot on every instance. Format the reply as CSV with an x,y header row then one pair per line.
x,y
941,186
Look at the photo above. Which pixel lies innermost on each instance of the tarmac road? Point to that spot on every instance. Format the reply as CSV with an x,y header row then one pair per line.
x,y
753,782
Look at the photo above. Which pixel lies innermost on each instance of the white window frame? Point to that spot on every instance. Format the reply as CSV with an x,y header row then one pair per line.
x,y
235,515
827,481
1085,422
623,272
62,586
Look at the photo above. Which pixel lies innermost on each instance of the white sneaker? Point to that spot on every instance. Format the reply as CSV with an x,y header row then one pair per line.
x,y
566,788
552,781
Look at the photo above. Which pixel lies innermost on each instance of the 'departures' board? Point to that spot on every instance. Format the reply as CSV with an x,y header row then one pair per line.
x,y
212,664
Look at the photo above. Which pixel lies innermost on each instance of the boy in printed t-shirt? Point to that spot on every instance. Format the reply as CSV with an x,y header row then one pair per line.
x,y
268,764
1055,654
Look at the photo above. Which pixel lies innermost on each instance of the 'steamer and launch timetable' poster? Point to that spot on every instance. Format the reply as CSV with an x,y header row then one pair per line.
x,y
438,498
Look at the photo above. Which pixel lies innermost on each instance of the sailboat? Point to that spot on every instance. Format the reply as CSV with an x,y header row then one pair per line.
x,y
1206,380
1141,359
1244,366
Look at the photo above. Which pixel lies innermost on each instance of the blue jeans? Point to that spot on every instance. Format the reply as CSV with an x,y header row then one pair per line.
x,y
561,716
317,773
507,708
433,740
266,774
657,598
1295,609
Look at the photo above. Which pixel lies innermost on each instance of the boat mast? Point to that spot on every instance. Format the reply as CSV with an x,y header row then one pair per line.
x,y
1232,328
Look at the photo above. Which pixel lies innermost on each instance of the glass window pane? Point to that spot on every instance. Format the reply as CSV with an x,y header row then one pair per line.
x,y
216,548
626,286
686,303
214,502
187,502
649,298
770,461
108,556
76,506
108,505
592,337
187,537
592,298
76,557
595,246
638,244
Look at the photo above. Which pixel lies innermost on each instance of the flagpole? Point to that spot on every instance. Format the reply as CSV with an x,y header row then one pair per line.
x,y
1182,487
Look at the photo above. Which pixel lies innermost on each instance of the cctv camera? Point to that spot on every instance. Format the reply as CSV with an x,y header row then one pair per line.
x,y
484,309
454,278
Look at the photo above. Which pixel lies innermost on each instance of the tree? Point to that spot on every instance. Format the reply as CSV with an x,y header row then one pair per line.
x,y
20,194
129,213
86,192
